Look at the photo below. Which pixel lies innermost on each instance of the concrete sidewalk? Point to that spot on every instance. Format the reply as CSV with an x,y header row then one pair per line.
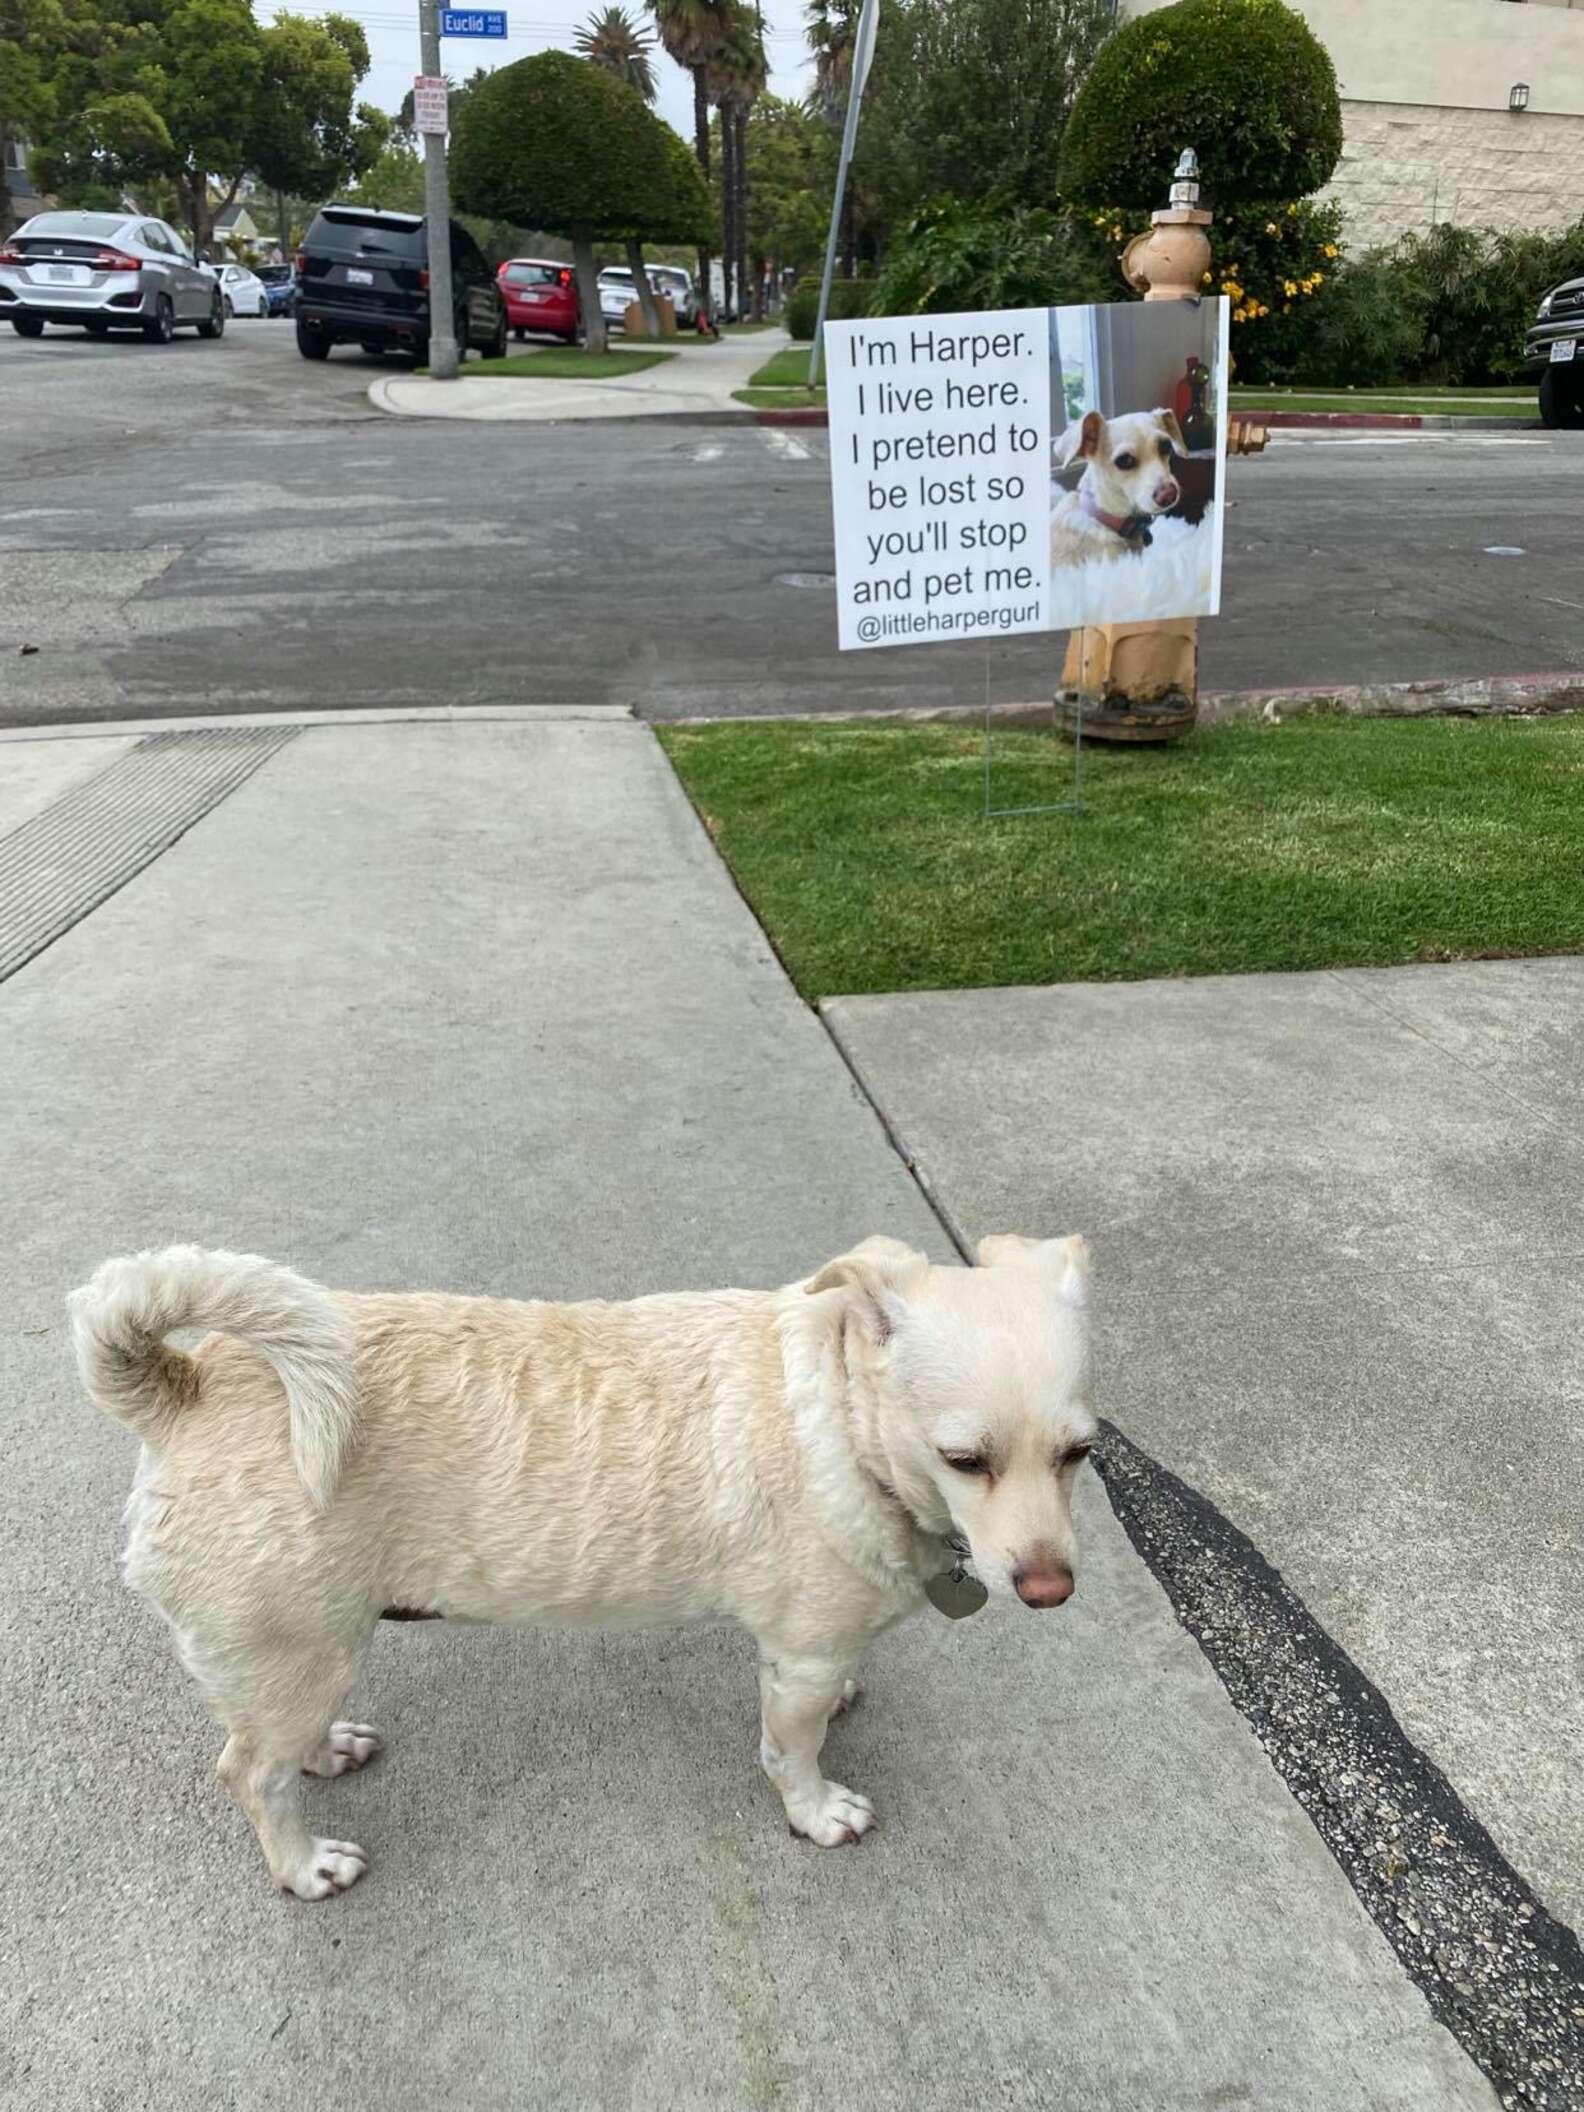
x,y
476,1006
1337,1255
696,381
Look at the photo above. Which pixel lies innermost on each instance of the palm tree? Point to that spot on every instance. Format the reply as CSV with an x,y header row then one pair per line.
x,y
832,30
618,43
832,24
692,31
736,78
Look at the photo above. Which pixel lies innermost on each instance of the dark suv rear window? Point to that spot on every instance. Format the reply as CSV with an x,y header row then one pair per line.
x,y
345,228
534,274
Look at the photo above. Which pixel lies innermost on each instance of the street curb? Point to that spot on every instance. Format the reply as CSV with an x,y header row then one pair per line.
x,y
1318,421
742,415
800,414
811,415
1410,421
1460,696
375,715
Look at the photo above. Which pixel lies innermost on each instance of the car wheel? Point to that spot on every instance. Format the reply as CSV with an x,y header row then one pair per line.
x,y
521,336
160,327
312,344
1562,398
97,328
374,351
28,325
219,316
496,348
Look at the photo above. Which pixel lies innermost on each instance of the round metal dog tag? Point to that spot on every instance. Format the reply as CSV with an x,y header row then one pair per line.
x,y
955,1593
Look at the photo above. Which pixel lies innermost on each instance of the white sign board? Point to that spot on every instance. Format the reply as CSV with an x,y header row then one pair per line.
x,y
429,104
1026,469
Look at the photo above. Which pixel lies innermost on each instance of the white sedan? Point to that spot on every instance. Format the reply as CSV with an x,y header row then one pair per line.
x,y
244,294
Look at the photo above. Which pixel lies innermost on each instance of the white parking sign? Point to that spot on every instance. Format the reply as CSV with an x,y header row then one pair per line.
x,y
429,104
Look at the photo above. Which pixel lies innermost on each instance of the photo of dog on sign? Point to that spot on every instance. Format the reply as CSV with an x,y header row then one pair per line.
x,y
1138,455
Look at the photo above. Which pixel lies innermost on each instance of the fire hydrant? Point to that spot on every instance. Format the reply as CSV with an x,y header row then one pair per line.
x,y
1139,681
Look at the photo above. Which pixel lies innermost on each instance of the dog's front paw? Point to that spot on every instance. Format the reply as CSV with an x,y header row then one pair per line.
x,y
832,1818
348,1747
328,1868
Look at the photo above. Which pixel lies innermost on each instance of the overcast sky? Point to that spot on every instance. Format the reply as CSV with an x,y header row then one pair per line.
x,y
547,25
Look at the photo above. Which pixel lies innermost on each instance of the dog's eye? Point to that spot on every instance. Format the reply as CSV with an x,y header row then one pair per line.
x,y
967,1462
1165,448
1074,1456
1125,461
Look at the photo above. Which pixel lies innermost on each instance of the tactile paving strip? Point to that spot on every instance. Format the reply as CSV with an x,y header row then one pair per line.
x,y
61,863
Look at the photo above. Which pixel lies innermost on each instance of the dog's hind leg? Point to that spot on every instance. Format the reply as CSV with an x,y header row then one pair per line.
x,y
278,1709
798,1697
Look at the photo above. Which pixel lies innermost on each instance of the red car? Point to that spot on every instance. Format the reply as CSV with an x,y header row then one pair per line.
x,y
540,296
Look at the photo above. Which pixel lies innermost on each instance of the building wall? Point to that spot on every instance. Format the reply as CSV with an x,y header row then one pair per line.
x,y
1406,166
1428,134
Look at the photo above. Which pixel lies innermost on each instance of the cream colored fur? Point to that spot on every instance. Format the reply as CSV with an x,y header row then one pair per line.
x,y
1127,470
779,1457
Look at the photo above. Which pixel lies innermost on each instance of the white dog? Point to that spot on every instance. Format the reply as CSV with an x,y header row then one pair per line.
x,y
815,1461
1127,483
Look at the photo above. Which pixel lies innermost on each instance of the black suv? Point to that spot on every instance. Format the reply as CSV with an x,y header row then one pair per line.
x,y
363,279
1554,349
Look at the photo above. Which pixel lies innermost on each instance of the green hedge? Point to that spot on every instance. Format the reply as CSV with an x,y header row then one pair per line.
x,y
849,298
1245,83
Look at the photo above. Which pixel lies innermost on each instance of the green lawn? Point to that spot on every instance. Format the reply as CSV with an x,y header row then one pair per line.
x,y
781,399
1511,401
782,382
555,363
1325,842
786,369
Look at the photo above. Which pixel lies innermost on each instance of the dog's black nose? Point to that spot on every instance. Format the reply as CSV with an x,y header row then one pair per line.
x,y
1046,1586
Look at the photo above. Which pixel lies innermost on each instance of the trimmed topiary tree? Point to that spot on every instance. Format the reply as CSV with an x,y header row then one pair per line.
x,y
555,143
1245,83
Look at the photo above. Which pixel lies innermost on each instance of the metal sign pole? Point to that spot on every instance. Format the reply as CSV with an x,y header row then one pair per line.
x,y
437,213
863,52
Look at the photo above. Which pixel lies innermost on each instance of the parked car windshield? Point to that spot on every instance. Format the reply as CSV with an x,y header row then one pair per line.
x,y
100,226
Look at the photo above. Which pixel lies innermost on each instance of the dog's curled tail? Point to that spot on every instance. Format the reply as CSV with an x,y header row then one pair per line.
x,y
122,1315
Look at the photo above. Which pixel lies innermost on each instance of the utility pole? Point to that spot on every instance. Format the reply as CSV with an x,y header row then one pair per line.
x,y
437,211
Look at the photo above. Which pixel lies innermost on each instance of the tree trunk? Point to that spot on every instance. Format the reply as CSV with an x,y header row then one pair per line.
x,y
7,212
646,299
748,288
282,226
701,147
588,288
728,211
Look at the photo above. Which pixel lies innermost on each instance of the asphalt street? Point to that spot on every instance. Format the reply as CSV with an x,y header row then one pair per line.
x,y
205,528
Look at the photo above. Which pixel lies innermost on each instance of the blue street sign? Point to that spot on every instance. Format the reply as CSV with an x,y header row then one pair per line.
x,y
469,22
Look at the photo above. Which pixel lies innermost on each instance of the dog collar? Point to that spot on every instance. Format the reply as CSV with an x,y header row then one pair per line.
x,y
1132,527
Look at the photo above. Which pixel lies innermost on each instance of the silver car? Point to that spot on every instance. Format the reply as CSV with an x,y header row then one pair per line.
x,y
106,271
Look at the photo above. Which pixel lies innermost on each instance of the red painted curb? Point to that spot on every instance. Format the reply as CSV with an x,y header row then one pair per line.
x,y
1411,419
809,414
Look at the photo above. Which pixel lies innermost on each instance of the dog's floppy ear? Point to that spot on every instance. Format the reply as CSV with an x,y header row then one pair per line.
x,y
878,1275
1167,421
1065,1261
1082,437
